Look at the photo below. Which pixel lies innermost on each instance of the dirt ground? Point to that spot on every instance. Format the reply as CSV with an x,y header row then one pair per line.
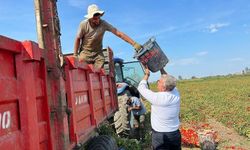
x,y
229,139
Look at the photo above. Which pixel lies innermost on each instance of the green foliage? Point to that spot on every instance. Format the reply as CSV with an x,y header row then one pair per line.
x,y
106,129
128,144
224,98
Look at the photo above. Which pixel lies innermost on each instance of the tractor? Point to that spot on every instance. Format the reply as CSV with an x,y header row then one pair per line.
x,y
128,76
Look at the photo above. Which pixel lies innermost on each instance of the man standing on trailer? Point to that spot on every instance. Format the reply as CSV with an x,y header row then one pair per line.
x,y
88,42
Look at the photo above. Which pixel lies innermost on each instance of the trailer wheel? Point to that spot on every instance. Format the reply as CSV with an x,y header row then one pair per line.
x,y
122,116
102,142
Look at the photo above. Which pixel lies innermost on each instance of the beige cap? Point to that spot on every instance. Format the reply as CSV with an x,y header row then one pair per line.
x,y
93,9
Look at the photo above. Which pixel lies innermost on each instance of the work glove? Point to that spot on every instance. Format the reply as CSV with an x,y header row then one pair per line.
x,y
137,46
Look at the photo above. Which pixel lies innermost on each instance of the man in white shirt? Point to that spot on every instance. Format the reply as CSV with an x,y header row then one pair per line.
x,y
164,111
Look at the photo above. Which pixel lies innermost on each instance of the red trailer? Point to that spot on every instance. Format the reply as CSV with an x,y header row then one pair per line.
x,y
45,107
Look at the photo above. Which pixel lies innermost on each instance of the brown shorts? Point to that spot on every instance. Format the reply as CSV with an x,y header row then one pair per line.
x,y
96,58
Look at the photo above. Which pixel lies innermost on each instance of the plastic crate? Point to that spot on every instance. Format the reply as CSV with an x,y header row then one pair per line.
x,y
152,56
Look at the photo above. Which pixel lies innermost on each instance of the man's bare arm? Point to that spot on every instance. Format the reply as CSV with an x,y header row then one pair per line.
x,y
76,46
126,38
123,36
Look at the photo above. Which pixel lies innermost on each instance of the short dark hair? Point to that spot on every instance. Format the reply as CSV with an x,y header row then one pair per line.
x,y
96,15
129,100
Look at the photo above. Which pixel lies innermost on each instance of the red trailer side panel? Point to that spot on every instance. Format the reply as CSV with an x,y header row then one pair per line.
x,y
32,113
24,118
89,98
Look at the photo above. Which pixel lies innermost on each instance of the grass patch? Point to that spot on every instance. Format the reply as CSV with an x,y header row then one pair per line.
x,y
226,99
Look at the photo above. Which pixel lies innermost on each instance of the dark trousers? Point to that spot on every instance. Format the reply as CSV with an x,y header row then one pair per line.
x,y
166,140
139,131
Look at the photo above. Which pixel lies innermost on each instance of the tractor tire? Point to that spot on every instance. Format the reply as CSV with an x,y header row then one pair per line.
x,y
122,116
103,142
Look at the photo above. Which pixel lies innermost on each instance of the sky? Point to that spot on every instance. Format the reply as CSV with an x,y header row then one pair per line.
x,y
200,37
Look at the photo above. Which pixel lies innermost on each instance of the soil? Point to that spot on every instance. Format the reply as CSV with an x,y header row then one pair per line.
x,y
228,139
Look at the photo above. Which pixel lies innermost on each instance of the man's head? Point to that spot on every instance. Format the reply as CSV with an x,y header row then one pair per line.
x,y
94,14
166,83
129,101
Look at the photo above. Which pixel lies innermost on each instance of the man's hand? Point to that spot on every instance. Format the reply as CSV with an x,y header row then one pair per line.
x,y
129,109
137,46
147,73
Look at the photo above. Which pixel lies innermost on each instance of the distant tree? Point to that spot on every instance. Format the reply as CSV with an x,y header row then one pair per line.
x,y
193,77
180,77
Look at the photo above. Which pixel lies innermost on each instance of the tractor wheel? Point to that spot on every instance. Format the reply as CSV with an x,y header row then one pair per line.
x,y
122,116
103,142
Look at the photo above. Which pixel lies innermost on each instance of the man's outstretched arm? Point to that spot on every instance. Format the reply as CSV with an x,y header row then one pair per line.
x,y
126,38
76,46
